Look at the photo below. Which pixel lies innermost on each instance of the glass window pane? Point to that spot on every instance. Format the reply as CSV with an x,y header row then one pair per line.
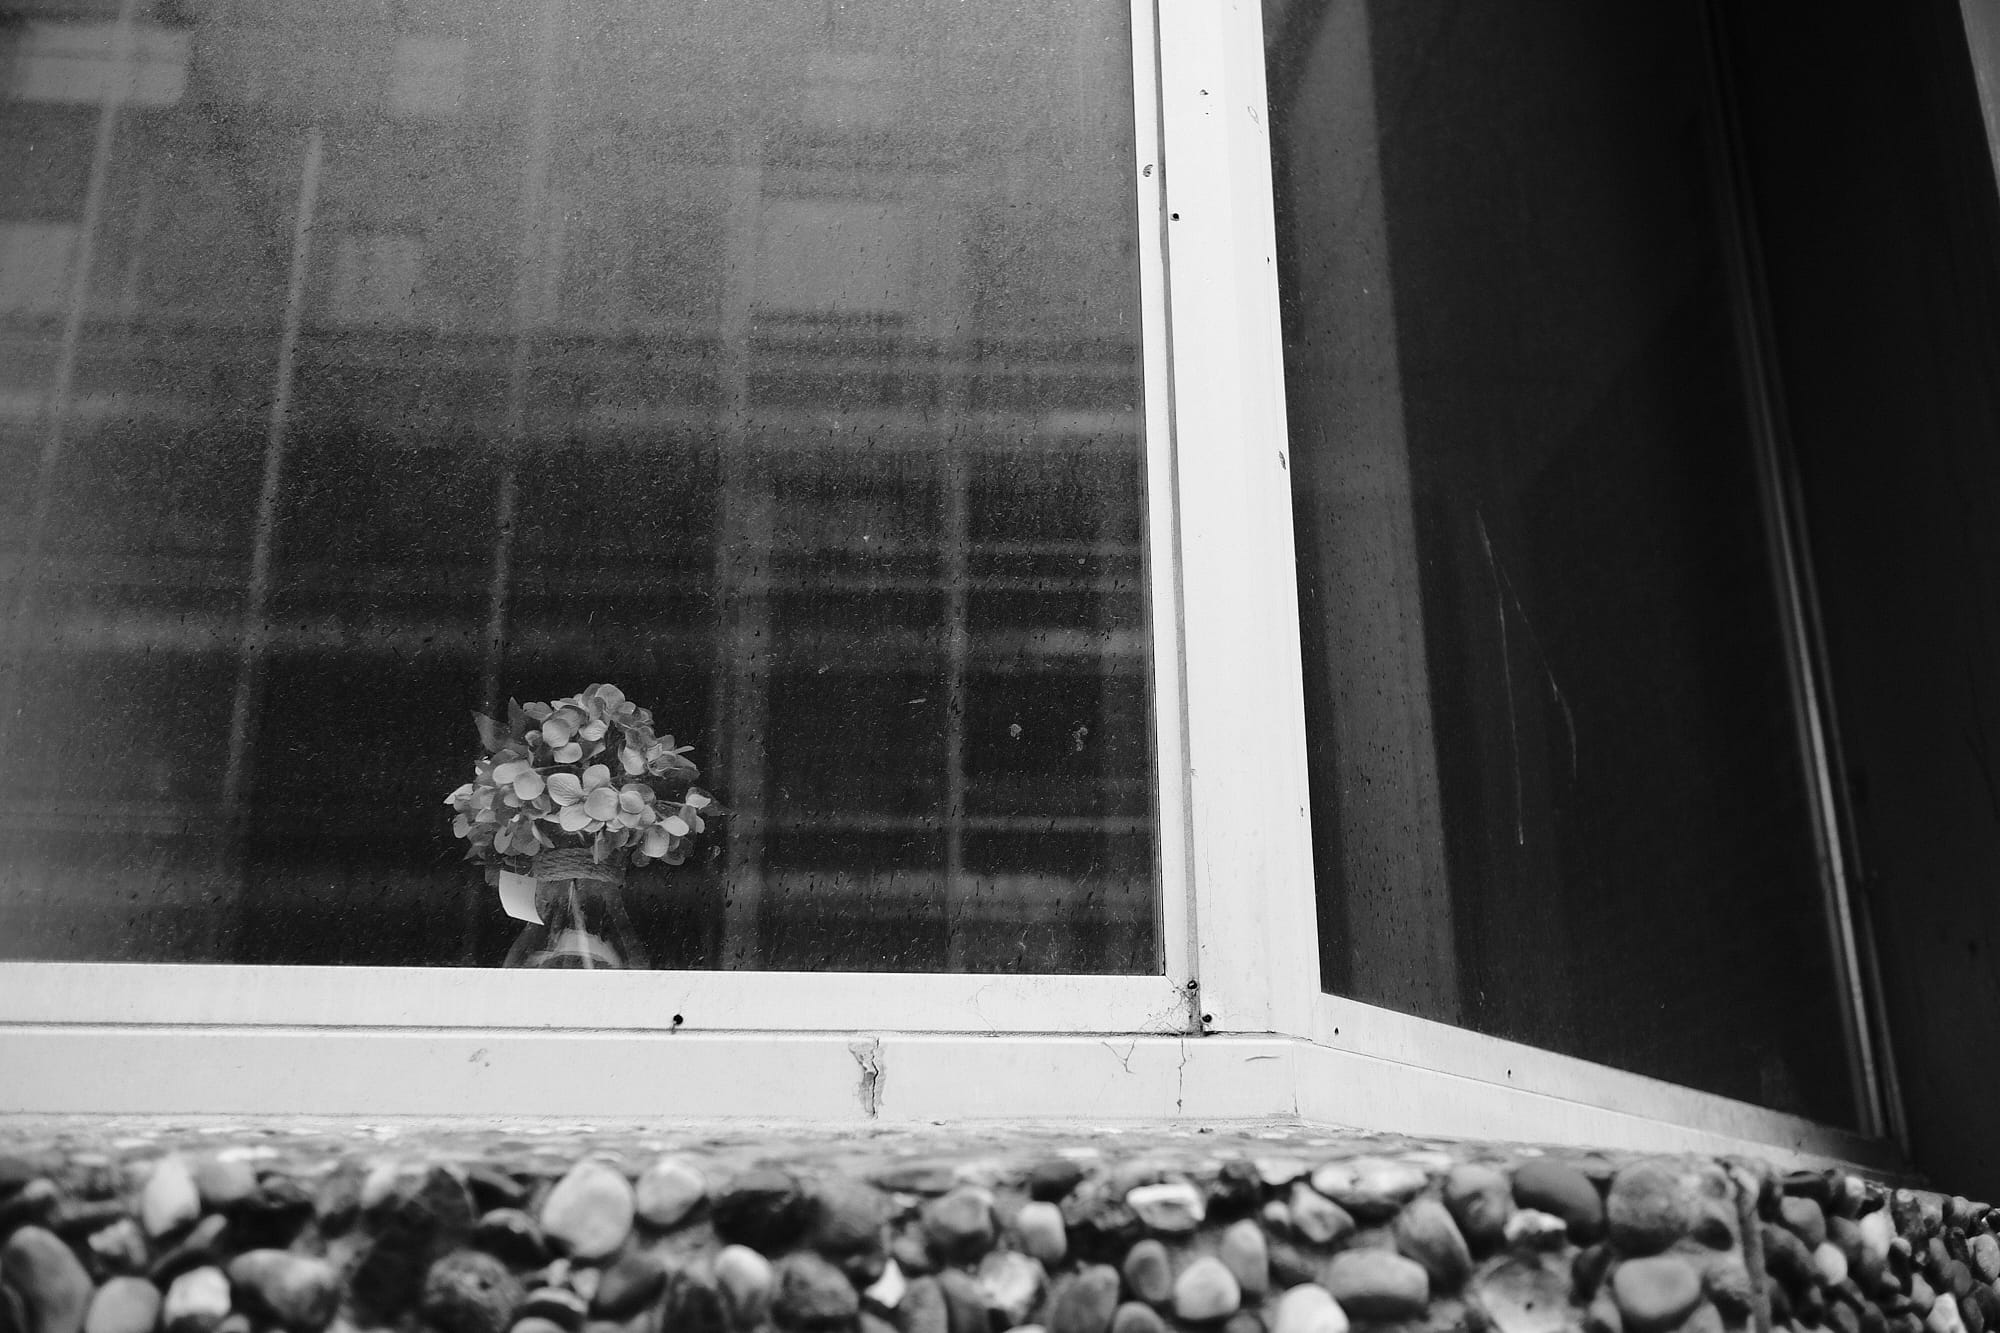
x,y
775,362
1559,793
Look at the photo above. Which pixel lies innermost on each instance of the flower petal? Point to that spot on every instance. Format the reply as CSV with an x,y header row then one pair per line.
x,y
568,754
567,788
573,818
675,825
595,776
509,771
602,803
529,785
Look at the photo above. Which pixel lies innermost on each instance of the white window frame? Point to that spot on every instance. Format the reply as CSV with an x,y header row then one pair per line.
x,y
1236,1025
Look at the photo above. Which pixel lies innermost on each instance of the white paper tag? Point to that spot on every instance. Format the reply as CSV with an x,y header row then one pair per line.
x,y
517,896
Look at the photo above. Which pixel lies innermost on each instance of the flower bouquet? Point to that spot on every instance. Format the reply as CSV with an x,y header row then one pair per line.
x,y
570,795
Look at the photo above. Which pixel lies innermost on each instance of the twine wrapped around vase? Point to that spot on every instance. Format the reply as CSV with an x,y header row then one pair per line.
x,y
573,863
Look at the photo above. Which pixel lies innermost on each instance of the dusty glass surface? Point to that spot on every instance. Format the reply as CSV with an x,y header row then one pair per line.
x,y
1559,791
365,365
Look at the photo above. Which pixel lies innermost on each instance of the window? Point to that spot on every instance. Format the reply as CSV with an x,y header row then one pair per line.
x,y
893,396
1565,793
569,345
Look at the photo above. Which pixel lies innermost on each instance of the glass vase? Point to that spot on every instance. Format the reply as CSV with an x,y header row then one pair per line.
x,y
584,922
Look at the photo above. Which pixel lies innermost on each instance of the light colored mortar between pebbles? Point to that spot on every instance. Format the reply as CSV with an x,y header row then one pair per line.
x,y
243,1232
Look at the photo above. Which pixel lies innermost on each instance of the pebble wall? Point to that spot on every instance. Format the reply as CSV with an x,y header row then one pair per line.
x,y
1088,1233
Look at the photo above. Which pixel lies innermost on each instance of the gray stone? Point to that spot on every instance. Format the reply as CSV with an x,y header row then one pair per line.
x,y
1149,1272
918,1176
590,1211
1533,1229
850,1216
1877,1233
1602,1315
1206,1291
196,1303
1137,1317
1290,1265
412,1219
1309,1308
1983,1253
1010,1285
923,1308
1174,1207
1052,1177
965,1310
1039,1226
1649,1207
630,1284
746,1281
1371,1188
120,1247
124,1305
1425,1232
764,1209
1918,1213
1377,1284
1247,1255
1317,1219
812,1291
1480,1200
1278,1172
559,1305
668,1191
201,1246
170,1199
887,1290
1560,1189
1830,1263
1086,1302
224,1180
492,1188
1804,1219
534,1323
909,1249
295,1290
1787,1258
1944,1318
511,1236
959,1226
1656,1292
1523,1293
468,1291
47,1279
1726,1281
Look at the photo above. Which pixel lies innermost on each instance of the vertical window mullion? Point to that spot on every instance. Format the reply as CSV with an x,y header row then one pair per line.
x,y
1249,840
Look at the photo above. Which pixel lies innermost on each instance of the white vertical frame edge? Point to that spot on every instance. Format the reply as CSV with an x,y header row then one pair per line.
x,y
1250,837
1163,549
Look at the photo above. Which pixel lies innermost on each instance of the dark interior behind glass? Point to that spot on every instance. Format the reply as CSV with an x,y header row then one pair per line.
x,y
367,365
1559,788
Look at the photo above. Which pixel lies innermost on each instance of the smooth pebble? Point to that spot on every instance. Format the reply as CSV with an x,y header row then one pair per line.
x,y
589,1213
1206,1291
170,1199
668,1191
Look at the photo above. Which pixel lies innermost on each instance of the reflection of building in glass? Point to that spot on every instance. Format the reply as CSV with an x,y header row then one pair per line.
x,y
363,370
